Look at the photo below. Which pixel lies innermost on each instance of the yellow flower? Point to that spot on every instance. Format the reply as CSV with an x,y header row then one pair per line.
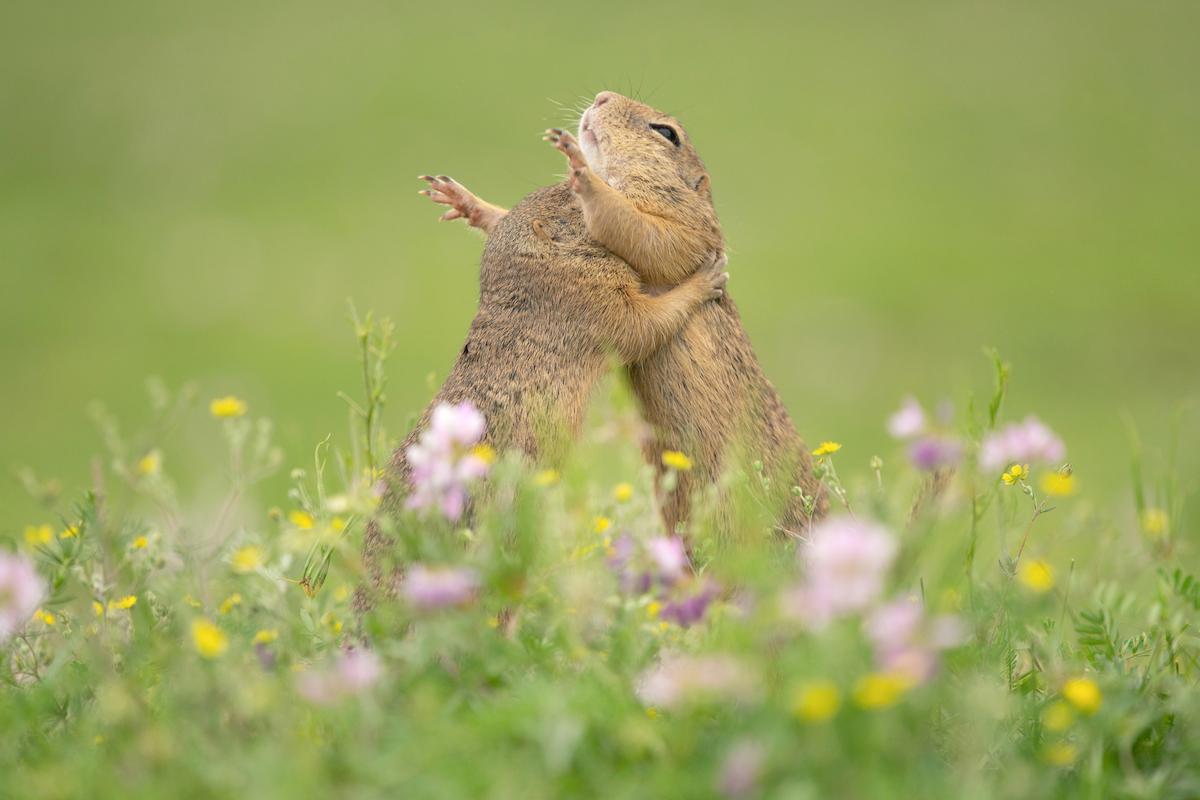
x,y
1084,694
881,689
45,617
266,636
484,452
1016,473
150,464
332,622
676,460
69,532
301,519
338,524
341,593
123,603
38,534
827,449
1155,522
227,407
547,477
1060,754
652,609
98,608
1037,575
1057,716
623,492
651,712
209,640
140,543
602,524
229,603
816,701
247,559
1058,484
191,601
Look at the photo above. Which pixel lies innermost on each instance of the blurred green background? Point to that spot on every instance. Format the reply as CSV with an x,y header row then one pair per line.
x,y
192,190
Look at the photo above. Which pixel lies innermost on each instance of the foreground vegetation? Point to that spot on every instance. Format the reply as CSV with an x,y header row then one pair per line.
x,y
926,639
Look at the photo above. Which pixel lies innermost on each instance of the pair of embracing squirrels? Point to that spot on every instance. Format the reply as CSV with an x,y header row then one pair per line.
x,y
625,257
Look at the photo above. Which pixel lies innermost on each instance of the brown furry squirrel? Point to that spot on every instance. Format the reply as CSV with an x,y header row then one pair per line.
x,y
638,188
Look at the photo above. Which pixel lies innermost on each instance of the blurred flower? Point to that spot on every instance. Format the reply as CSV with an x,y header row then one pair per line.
x,y
45,617
1021,442
227,407
150,464
1015,474
826,449
676,460
485,453
354,672
98,608
1057,716
1058,484
688,610
69,532
140,543
847,562
209,640
266,636
881,689
247,559
430,588
679,680
38,535
623,492
1155,522
547,477
935,452
601,524
122,603
741,770
444,460
909,421
229,603
1060,754
1037,575
301,519
670,556
816,701
1083,694
906,642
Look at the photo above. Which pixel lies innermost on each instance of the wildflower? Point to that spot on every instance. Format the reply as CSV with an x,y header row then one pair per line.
x,y
140,543
826,449
909,421
687,611
1037,575
229,603
338,524
816,701
301,519
908,643
69,532
847,561
485,453
1083,694
680,680
228,407
673,459
547,477
150,464
1021,442
191,601
881,690
36,535
354,672
623,492
98,608
122,603
265,636
430,588
1015,474
331,621
247,559
670,556
209,640
1057,716
1058,484
935,452
1155,522
444,460
45,617
1060,754
741,770
652,609
601,524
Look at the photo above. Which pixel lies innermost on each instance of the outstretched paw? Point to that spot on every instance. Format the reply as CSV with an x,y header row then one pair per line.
x,y
449,192
565,143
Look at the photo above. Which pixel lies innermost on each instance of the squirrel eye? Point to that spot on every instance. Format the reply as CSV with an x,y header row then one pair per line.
x,y
667,132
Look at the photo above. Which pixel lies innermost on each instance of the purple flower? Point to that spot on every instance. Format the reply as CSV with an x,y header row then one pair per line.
x,y
687,611
21,592
1020,443
935,452
670,556
679,680
742,770
359,670
430,588
909,421
908,642
847,561
354,672
445,459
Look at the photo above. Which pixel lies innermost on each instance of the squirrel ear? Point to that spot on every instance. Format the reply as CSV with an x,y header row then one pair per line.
x,y
702,184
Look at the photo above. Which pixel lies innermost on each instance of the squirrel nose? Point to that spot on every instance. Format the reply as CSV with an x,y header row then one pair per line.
x,y
603,98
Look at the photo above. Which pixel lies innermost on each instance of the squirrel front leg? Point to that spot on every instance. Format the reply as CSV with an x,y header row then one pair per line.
x,y
447,191
660,250
649,321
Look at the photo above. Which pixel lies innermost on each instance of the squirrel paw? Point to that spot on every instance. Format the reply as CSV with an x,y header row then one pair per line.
x,y
565,143
449,192
715,275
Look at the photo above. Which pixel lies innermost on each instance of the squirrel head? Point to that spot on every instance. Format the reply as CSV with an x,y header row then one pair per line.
x,y
627,142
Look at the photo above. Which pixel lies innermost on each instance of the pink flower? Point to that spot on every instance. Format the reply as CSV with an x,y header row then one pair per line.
x,y
909,421
679,680
848,561
1020,443
935,452
431,588
670,556
21,592
354,672
907,641
444,460
742,770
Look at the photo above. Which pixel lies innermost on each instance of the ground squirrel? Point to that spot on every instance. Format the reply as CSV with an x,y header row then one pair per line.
x,y
639,188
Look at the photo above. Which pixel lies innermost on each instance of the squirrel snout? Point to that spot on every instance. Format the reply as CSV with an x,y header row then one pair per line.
x,y
603,98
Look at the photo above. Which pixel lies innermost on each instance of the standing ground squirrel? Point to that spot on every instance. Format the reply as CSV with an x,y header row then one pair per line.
x,y
638,188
